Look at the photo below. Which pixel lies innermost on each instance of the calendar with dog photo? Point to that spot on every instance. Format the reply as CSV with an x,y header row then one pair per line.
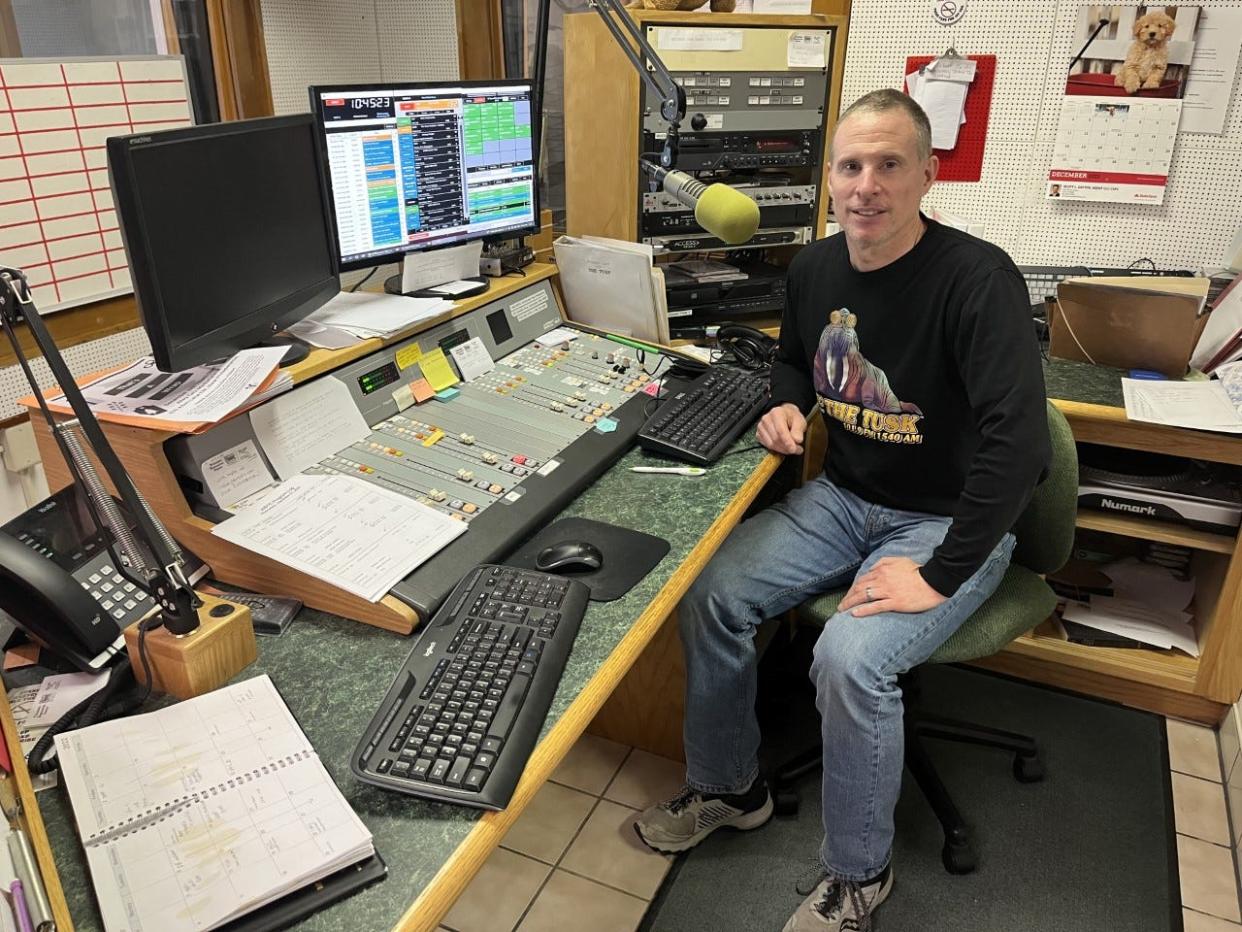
x,y
1123,101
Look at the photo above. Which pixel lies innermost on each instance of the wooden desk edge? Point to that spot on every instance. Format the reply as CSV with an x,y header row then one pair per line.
x,y
1108,424
33,819
439,895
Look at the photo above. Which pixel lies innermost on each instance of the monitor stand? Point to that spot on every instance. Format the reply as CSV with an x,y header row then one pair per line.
x,y
439,273
462,288
295,350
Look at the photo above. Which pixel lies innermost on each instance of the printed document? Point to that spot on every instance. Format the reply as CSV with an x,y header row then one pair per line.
x,y
144,396
367,314
1203,405
348,532
309,423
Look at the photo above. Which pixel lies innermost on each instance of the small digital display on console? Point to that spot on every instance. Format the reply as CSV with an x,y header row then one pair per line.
x,y
378,378
456,338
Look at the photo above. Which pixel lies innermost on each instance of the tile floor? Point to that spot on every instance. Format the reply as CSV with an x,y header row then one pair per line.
x,y
574,853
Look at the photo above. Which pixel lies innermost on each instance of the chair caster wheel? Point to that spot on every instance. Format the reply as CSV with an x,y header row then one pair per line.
x,y
958,858
785,802
1028,769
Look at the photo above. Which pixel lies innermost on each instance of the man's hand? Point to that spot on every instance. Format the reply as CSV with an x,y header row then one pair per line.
x,y
782,429
894,584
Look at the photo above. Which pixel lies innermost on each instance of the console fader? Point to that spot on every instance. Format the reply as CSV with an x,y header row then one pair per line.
x,y
505,455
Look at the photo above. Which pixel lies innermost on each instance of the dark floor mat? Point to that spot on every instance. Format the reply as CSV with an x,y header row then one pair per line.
x,y
1089,849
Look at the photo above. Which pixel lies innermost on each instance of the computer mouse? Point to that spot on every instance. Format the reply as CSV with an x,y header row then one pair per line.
x,y
570,555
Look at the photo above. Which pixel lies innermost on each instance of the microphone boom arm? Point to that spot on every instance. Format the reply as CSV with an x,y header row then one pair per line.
x,y
658,79
165,580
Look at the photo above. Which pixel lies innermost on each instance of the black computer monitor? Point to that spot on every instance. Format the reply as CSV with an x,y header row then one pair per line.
x,y
226,230
420,166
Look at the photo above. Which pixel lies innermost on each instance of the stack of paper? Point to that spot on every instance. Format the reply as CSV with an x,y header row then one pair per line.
x,y
940,88
1148,605
350,318
613,285
1214,404
140,395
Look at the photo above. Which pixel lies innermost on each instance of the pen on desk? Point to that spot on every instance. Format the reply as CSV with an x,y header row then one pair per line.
x,y
19,907
672,470
32,883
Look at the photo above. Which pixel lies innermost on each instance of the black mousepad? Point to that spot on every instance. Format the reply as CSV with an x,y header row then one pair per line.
x,y
628,555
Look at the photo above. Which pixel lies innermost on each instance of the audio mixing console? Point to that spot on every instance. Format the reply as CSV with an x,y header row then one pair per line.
x,y
505,455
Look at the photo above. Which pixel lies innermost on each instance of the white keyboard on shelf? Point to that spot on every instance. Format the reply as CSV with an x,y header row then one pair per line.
x,y
1042,280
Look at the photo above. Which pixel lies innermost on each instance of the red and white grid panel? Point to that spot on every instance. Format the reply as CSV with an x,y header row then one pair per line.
x,y
57,222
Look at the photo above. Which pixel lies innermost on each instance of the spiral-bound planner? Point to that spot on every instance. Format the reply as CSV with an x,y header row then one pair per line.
x,y
203,811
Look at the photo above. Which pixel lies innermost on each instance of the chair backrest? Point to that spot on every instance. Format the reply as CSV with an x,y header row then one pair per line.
x,y
1045,530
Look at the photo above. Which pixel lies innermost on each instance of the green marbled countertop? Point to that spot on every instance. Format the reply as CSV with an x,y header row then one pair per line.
x,y
333,674
1083,382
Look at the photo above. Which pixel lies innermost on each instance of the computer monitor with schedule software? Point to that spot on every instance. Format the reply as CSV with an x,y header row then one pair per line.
x,y
226,229
416,166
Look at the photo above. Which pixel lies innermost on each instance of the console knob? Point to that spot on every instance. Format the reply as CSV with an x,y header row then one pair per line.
x,y
698,122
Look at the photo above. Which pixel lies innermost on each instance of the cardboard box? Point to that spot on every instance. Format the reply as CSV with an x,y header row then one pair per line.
x,y
1135,322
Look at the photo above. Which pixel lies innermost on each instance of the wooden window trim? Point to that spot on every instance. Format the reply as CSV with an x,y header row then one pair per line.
x,y
239,58
480,48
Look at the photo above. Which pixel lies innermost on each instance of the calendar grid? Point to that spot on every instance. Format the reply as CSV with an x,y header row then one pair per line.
x,y
57,219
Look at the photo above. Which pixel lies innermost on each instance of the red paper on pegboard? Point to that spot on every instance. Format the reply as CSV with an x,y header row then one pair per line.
x,y
965,161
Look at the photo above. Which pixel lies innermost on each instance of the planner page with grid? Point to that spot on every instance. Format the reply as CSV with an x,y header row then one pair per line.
x,y
198,813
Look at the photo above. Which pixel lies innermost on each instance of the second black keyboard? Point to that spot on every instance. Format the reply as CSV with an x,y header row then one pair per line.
x,y
466,708
699,423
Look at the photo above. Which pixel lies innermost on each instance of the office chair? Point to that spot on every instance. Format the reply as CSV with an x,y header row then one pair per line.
x,y
1045,536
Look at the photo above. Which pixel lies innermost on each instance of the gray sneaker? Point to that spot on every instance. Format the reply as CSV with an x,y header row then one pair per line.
x,y
685,820
841,906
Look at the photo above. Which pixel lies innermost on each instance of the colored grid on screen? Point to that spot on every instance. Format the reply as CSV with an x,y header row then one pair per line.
x,y
57,221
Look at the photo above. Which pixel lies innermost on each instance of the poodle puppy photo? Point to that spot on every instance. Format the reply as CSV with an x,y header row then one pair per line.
x,y
1148,57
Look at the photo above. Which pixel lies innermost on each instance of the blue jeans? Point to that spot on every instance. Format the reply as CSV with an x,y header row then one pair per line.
x,y
813,541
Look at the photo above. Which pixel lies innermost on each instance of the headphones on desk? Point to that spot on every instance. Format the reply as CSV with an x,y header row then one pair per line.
x,y
750,348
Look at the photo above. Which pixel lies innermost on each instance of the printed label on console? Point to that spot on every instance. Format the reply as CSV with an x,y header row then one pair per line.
x,y
547,468
530,305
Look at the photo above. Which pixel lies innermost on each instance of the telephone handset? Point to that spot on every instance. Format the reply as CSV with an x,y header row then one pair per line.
x,y
60,584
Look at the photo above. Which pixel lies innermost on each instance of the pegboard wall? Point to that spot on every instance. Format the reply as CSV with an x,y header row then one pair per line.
x,y
356,41
1034,44
82,360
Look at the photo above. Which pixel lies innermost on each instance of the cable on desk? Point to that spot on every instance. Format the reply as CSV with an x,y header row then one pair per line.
x,y
362,281
94,707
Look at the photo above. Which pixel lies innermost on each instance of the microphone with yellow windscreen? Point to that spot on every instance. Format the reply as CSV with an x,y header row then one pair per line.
x,y
722,211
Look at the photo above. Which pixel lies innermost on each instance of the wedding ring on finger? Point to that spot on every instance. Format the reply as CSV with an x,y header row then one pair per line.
x,y
867,592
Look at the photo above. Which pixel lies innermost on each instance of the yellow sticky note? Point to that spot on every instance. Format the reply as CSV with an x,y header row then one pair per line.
x,y
409,355
437,370
422,391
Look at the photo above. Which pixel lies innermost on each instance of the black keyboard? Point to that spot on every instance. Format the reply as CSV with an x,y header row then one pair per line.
x,y
464,712
699,423
1042,280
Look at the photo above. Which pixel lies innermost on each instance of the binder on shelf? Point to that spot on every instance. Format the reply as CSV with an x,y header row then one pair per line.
x,y
613,285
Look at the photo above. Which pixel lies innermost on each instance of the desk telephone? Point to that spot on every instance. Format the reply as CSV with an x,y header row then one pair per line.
x,y
61,585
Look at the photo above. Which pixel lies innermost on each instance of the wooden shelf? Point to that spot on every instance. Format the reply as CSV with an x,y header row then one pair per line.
x,y
1163,531
1166,668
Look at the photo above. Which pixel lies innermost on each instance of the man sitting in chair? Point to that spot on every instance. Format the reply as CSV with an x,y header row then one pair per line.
x,y
915,341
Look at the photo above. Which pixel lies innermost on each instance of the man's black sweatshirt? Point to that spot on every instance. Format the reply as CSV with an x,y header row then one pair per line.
x,y
928,374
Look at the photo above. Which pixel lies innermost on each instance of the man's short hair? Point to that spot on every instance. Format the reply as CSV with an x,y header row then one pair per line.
x,y
886,99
